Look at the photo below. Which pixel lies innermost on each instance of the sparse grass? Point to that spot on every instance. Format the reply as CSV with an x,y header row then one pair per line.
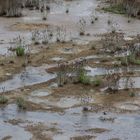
x,y
129,60
21,103
83,78
20,51
124,61
3,99
133,60
117,9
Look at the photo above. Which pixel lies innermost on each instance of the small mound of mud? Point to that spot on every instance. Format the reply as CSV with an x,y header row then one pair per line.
x,y
129,106
40,93
29,26
86,137
41,132
57,59
69,50
56,102
97,130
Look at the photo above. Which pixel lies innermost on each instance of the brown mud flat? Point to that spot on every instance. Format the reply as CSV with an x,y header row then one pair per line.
x,y
28,27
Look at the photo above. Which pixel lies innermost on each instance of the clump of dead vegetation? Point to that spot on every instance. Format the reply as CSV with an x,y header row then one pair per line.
x,y
75,73
10,8
129,7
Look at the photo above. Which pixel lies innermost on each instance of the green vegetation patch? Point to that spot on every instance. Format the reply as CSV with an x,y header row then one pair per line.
x,y
117,9
83,78
21,103
3,99
20,51
130,60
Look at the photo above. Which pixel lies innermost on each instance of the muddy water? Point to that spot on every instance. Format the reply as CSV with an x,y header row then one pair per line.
x,y
14,132
77,123
124,82
70,22
36,75
104,71
30,76
83,9
129,82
